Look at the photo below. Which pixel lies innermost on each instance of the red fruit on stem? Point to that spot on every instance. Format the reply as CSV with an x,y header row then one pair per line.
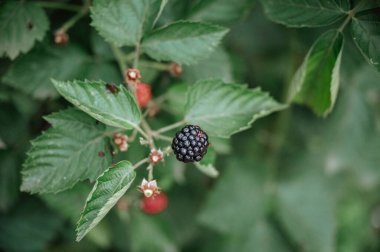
x,y
143,94
154,205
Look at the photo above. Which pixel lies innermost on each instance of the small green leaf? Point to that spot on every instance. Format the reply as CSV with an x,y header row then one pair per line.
x,y
366,33
118,109
316,82
224,109
124,22
21,25
108,189
311,13
66,153
42,64
184,42
206,165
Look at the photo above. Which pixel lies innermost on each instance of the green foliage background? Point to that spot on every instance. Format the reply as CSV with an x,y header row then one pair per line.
x,y
295,181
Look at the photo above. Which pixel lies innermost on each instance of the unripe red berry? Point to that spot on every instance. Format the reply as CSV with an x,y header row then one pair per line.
x,y
154,205
143,94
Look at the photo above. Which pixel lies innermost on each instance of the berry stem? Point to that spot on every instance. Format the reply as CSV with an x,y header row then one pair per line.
x,y
170,127
162,137
72,21
150,172
60,6
137,55
120,57
140,163
155,65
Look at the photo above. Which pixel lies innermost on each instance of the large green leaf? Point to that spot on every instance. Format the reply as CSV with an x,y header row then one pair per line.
x,y
117,109
243,189
124,22
21,24
220,11
301,13
160,238
29,227
306,209
108,189
261,237
42,64
366,33
68,203
224,109
316,82
66,153
184,42
217,65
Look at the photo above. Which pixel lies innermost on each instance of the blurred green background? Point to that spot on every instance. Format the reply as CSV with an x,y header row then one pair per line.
x,y
293,182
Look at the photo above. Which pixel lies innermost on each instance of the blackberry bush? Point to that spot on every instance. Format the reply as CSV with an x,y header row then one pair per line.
x,y
190,144
99,98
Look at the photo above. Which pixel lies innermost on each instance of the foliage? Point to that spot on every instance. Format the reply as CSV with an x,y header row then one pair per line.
x,y
278,176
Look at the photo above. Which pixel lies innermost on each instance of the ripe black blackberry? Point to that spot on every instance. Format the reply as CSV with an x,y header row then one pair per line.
x,y
190,144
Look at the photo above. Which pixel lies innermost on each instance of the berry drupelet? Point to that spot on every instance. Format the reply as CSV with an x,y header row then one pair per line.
x,y
190,144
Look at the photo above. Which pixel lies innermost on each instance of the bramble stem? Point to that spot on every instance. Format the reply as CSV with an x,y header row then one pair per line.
x,y
61,6
142,132
139,163
72,21
162,137
155,65
170,127
120,58
137,55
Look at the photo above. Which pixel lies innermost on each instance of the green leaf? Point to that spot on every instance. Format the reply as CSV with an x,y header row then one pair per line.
x,y
224,109
220,11
29,227
307,211
108,189
311,13
217,65
261,237
21,25
9,179
143,226
366,33
176,98
66,153
206,165
68,203
184,42
316,82
237,202
42,64
124,22
115,109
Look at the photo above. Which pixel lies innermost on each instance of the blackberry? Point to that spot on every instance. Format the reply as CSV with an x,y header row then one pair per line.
x,y
190,144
